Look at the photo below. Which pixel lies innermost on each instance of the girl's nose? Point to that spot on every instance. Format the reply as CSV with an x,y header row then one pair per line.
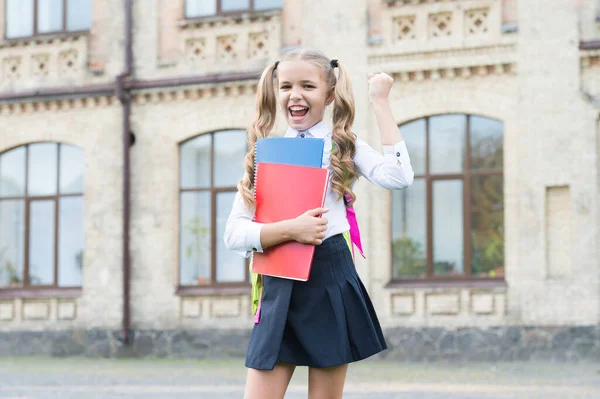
x,y
295,94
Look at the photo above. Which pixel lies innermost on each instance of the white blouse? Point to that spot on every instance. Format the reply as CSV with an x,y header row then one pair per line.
x,y
390,171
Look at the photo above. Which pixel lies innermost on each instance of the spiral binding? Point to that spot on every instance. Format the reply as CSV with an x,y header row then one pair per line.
x,y
255,170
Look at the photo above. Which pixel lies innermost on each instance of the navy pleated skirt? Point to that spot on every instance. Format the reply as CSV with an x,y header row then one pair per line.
x,y
326,321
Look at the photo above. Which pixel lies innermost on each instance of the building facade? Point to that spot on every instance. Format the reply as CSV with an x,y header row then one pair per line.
x,y
122,139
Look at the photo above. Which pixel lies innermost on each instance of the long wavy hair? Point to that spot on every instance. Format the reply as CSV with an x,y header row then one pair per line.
x,y
344,146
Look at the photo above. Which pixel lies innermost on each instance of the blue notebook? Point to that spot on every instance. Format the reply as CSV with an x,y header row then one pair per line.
x,y
290,151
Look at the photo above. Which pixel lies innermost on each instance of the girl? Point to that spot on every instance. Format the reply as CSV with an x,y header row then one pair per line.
x,y
328,321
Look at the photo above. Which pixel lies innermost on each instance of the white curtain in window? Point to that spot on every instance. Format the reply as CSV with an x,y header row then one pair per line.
x,y
19,18
200,8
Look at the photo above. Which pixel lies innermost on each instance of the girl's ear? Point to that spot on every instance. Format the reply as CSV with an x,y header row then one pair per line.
x,y
330,96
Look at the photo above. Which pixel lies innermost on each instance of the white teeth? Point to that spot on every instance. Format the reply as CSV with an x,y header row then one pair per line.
x,y
298,108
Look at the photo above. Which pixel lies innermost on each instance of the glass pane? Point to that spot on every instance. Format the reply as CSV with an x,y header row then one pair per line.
x,y
49,16
486,143
195,162
41,242
409,231
42,169
230,267
200,8
448,227
267,4
414,136
79,14
195,238
487,226
19,18
230,150
234,5
71,170
447,143
70,241
12,173
12,242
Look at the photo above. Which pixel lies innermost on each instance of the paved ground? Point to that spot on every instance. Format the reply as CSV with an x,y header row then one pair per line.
x,y
45,378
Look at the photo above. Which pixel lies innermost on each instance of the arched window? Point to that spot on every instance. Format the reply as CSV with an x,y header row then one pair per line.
x,y
449,223
41,216
210,166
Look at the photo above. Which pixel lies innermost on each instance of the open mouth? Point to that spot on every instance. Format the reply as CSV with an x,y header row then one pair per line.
x,y
297,112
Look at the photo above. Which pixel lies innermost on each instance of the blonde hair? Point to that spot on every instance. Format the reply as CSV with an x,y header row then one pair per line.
x,y
344,146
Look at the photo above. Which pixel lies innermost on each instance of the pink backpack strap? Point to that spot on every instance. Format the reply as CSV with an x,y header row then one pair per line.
x,y
354,231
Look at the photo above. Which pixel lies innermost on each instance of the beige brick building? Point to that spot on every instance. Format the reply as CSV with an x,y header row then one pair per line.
x,y
491,253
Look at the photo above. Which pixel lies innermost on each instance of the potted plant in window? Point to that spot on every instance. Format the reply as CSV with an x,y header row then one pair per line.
x,y
199,232
13,279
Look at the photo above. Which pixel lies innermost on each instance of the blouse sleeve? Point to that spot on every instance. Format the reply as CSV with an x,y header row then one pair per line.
x,y
242,234
392,170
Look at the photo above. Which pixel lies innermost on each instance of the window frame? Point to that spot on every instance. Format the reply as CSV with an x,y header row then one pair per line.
x,y
214,286
220,13
27,290
34,16
465,177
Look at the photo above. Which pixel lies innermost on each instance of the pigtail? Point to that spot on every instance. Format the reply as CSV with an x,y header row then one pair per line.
x,y
266,113
344,140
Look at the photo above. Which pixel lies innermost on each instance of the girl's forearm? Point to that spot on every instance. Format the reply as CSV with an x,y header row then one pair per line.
x,y
390,134
272,234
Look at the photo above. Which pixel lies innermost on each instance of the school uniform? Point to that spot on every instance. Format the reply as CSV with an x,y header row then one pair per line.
x,y
328,320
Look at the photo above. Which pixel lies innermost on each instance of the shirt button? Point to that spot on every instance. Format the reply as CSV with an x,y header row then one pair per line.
x,y
254,249
397,154
302,135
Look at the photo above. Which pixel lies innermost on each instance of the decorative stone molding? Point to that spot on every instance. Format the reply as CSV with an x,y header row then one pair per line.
x,y
43,61
439,25
55,105
229,43
226,307
413,306
40,41
423,26
403,304
139,97
455,72
477,22
400,3
232,89
404,28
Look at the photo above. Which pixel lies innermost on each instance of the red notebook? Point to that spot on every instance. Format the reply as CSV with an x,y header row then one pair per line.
x,y
285,192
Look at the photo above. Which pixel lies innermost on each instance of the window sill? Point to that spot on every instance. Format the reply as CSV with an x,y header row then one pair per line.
x,y
224,290
236,16
46,292
45,38
473,283
589,45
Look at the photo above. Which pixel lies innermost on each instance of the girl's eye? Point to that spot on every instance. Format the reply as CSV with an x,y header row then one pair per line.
x,y
309,86
285,87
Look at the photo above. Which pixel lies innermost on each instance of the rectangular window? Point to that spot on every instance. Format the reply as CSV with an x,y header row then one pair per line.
x,y
26,18
448,224
204,8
